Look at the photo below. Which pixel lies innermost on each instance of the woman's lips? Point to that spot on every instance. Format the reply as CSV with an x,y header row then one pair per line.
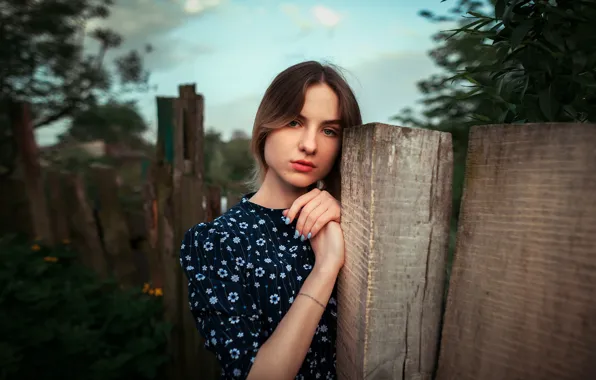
x,y
301,167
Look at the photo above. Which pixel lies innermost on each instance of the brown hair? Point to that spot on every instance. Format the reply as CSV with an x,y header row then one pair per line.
x,y
283,102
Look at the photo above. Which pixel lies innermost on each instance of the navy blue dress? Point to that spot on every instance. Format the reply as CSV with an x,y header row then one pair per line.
x,y
244,270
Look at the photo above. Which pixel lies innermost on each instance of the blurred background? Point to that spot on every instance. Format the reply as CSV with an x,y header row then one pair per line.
x,y
79,158
99,65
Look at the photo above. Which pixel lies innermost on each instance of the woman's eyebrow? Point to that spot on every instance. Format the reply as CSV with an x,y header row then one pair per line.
x,y
326,122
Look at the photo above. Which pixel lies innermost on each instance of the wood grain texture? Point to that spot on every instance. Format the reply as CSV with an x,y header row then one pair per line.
x,y
83,231
167,247
188,190
521,301
154,257
28,156
116,236
213,206
396,205
57,206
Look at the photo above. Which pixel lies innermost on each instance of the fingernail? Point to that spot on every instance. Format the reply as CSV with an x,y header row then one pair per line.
x,y
287,220
308,236
296,234
302,238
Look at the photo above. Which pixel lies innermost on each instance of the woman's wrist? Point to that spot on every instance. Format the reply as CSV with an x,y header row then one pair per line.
x,y
326,270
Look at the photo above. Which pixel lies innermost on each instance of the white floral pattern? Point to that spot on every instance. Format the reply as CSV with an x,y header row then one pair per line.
x,y
243,281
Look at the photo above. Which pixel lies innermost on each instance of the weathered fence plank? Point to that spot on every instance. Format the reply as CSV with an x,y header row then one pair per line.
x,y
154,257
116,236
57,205
22,129
166,244
83,227
213,209
187,195
396,201
14,208
521,301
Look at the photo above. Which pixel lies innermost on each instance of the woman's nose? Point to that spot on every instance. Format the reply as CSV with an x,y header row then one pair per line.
x,y
308,142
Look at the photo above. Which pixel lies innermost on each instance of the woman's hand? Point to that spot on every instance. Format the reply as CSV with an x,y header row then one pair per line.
x,y
329,248
314,210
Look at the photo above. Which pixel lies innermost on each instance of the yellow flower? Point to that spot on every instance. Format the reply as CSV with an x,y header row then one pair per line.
x,y
35,247
50,259
146,287
158,292
151,291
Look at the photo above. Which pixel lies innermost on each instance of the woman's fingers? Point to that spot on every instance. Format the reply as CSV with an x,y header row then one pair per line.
x,y
299,203
308,216
316,219
328,216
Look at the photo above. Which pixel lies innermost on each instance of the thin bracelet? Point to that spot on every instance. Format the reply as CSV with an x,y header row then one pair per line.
x,y
312,298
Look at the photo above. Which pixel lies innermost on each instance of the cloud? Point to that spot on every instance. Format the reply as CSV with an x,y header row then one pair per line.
x,y
142,22
294,13
306,21
383,86
325,16
197,6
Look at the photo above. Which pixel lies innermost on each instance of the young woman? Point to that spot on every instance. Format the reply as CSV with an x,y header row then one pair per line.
x,y
262,276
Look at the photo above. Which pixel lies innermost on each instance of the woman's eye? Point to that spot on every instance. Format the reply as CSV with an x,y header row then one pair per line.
x,y
330,132
293,123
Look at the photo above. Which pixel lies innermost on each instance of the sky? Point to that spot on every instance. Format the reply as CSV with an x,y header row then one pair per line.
x,y
232,49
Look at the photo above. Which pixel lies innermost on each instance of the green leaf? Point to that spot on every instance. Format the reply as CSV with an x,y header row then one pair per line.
x,y
548,104
520,32
524,89
480,117
480,15
500,9
586,79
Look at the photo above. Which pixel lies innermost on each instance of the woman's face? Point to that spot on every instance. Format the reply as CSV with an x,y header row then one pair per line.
x,y
314,137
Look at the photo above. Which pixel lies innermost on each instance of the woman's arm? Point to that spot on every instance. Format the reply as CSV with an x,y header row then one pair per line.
x,y
282,355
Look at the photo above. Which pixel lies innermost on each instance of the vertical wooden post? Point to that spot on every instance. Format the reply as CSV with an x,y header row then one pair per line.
x,y
150,209
115,229
82,226
396,201
166,244
213,209
57,206
521,301
22,129
188,191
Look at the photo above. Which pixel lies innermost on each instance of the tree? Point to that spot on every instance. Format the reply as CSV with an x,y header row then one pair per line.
x,y
445,106
511,61
43,58
542,61
113,122
238,157
227,163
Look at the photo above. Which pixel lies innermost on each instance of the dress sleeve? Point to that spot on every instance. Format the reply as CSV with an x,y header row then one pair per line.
x,y
224,309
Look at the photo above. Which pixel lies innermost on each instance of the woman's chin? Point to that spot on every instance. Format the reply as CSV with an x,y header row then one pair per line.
x,y
300,180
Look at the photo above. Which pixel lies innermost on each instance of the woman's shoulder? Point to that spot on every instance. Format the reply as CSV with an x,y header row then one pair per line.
x,y
218,230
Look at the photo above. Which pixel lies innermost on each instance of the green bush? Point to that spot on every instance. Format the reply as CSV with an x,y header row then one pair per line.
x,y
59,321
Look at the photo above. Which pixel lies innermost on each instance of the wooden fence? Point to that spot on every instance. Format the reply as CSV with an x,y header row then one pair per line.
x,y
58,207
521,294
520,301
